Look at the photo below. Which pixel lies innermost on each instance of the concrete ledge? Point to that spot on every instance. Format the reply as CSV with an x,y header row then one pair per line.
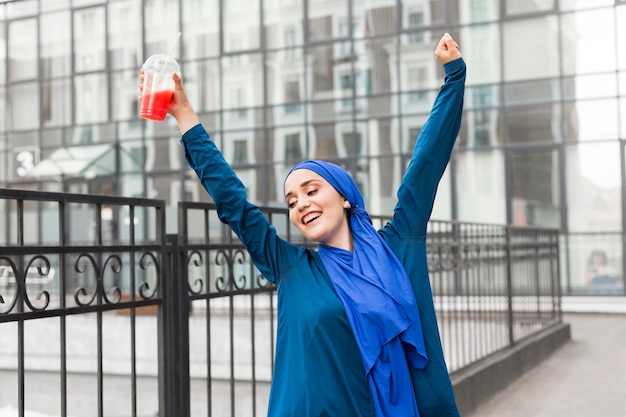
x,y
593,304
477,383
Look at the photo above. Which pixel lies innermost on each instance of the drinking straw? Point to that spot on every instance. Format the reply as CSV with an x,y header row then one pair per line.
x,y
169,54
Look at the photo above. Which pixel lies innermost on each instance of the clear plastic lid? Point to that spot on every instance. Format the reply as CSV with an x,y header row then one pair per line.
x,y
161,63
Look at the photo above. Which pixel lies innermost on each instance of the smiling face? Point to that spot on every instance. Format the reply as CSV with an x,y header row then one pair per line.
x,y
317,209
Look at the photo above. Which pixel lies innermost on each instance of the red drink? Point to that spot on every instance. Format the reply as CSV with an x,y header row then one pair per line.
x,y
158,86
154,104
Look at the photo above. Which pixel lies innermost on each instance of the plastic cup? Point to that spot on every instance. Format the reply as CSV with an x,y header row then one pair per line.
x,y
158,86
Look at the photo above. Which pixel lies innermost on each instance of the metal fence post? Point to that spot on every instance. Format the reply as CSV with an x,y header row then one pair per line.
x,y
174,387
509,283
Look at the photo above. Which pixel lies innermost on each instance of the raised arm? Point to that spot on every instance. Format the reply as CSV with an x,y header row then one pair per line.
x,y
226,189
434,145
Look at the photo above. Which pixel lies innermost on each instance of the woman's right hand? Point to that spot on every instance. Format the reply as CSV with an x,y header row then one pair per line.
x,y
180,107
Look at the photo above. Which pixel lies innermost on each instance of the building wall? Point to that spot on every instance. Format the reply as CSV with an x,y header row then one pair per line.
x,y
278,81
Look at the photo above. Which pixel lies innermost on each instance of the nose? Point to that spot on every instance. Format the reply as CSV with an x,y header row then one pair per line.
x,y
303,203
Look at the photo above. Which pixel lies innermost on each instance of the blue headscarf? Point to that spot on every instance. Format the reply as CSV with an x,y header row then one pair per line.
x,y
377,294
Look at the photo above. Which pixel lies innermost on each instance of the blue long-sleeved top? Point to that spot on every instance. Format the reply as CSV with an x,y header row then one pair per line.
x,y
318,369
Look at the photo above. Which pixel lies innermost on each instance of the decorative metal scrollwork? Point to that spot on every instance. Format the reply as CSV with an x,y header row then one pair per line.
x,y
43,272
147,259
15,272
80,266
41,265
195,257
228,259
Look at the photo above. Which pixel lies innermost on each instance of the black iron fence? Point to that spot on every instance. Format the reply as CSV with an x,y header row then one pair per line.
x,y
103,313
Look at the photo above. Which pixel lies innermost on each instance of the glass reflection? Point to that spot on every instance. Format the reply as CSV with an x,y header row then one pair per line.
x,y
241,30
481,195
480,45
55,44
201,23
419,13
89,39
595,120
594,187
22,50
532,123
589,34
535,189
124,34
531,48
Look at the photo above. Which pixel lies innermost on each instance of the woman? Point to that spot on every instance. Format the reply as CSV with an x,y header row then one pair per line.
x,y
357,333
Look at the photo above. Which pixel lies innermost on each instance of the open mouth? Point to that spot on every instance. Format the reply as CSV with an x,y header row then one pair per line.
x,y
310,217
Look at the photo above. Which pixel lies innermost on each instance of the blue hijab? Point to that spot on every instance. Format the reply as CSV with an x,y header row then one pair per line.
x,y
379,301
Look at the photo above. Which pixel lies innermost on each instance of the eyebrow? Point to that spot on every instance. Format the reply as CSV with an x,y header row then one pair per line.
x,y
304,184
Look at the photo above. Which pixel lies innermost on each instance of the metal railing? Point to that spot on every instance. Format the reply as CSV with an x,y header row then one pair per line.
x,y
91,287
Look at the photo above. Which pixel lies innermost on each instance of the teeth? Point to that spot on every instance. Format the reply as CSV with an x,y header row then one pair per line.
x,y
310,217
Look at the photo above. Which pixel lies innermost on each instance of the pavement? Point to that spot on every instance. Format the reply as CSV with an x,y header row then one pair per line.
x,y
586,377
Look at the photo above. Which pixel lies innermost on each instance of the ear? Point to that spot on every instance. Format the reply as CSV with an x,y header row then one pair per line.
x,y
346,204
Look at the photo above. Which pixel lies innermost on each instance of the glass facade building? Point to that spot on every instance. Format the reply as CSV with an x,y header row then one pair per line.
x,y
351,81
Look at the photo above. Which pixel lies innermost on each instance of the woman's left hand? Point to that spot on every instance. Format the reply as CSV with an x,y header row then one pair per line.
x,y
447,50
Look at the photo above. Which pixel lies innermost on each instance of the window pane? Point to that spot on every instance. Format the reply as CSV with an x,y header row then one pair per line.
x,y
56,106
160,24
324,139
3,110
479,129
412,126
532,48
381,19
241,25
91,98
527,92
621,36
481,194
533,123
22,50
480,45
21,8
583,4
589,34
592,120
374,66
622,123
243,90
124,93
420,13
589,86
283,24
202,83
50,5
89,39
515,7
481,11
321,19
125,34
594,187
419,57
595,264
2,55
286,92
535,189
24,106
201,22
55,44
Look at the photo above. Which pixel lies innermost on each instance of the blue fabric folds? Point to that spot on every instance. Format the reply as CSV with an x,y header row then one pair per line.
x,y
378,297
